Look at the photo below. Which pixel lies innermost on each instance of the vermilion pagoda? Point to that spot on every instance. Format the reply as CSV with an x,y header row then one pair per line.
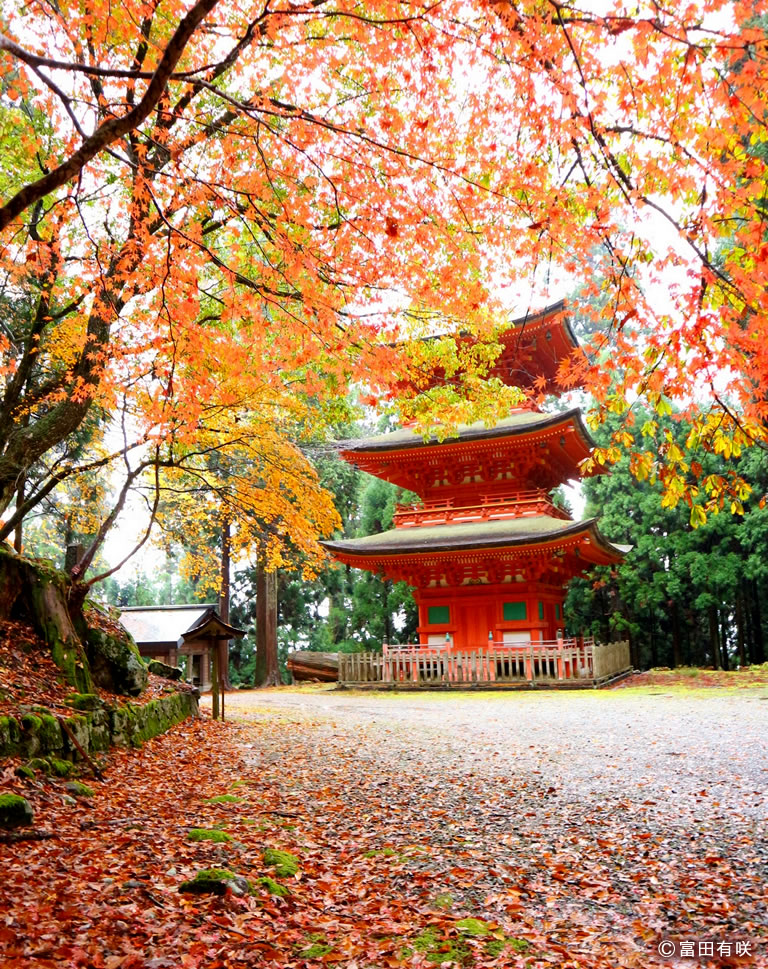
x,y
486,551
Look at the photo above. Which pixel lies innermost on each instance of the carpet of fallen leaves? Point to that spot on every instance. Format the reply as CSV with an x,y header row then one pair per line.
x,y
587,825
692,677
29,676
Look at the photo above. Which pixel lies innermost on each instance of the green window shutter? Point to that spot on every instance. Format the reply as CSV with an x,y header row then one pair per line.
x,y
557,612
515,610
438,614
541,610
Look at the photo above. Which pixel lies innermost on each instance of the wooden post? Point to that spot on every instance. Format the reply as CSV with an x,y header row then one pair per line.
x,y
214,654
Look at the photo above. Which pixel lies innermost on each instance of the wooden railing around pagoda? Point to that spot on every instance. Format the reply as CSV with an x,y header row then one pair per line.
x,y
512,505
563,662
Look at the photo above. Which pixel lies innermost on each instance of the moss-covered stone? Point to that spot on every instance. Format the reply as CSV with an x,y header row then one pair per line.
x,y
133,725
205,834
25,771
39,765
319,947
10,737
115,662
164,670
285,864
61,768
209,881
37,733
31,722
15,811
78,789
83,701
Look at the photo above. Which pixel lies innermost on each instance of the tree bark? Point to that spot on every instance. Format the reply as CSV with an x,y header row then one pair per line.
x,y
675,635
740,638
757,646
267,669
224,594
714,644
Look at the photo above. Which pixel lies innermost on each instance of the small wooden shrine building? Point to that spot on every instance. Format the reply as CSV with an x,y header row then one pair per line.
x,y
170,633
486,551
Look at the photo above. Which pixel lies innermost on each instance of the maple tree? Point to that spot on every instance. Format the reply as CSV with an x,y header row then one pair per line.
x,y
302,184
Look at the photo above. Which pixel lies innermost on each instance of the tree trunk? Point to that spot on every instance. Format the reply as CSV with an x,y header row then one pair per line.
x,y
757,645
654,648
676,653
267,669
714,644
223,646
306,665
740,636
724,639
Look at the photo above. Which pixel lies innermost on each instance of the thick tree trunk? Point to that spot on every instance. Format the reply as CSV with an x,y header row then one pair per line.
x,y
306,665
224,679
267,669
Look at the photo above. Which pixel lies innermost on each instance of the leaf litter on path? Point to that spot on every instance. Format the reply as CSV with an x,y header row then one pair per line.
x,y
558,827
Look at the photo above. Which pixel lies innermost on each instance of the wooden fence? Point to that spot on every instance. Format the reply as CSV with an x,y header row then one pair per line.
x,y
566,662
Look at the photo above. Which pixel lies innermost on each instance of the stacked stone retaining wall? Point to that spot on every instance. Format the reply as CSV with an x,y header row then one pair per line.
x,y
39,733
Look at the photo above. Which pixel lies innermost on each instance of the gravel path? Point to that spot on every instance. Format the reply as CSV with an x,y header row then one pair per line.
x,y
595,822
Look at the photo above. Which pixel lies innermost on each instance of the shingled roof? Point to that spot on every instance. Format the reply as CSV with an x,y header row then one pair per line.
x,y
529,530
521,422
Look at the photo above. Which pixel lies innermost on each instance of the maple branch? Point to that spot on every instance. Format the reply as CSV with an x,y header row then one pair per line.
x,y
144,538
113,129
34,499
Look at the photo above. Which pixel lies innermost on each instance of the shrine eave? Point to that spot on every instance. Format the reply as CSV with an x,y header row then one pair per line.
x,y
539,531
211,626
520,424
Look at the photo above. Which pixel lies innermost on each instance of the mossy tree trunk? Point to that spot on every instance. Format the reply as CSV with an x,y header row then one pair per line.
x,y
86,653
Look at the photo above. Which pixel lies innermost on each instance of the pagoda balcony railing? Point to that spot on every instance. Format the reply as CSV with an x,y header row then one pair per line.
x,y
563,662
517,504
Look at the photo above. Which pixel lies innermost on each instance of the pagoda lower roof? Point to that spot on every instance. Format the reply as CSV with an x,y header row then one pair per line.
x,y
522,423
531,531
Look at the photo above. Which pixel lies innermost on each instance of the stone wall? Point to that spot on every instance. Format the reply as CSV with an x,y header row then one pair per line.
x,y
96,725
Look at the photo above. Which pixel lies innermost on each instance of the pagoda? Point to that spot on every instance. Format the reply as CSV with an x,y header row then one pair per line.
x,y
487,552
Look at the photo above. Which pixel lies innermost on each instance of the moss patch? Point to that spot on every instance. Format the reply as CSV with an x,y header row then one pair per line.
x,y
443,901
79,789
285,864
474,928
318,947
273,887
224,799
437,949
204,834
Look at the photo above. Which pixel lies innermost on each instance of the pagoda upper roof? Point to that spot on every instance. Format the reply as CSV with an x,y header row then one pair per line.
x,y
533,347
527,531
519,424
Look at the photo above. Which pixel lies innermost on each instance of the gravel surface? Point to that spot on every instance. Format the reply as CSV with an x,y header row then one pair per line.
x,y
599,821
